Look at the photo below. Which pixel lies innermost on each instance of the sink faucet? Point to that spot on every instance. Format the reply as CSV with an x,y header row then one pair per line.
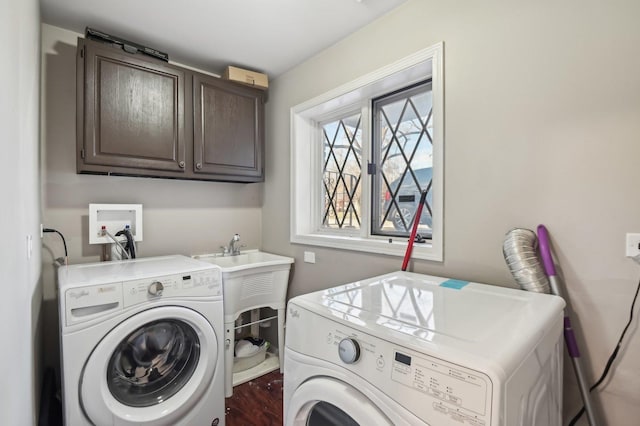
x,y
232,249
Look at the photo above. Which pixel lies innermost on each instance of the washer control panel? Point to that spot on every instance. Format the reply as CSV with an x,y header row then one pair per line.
x,y
193,284
155,288
89,302
349,350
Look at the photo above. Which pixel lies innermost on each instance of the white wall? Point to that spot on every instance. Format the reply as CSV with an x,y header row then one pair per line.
x,y
542,107
20,213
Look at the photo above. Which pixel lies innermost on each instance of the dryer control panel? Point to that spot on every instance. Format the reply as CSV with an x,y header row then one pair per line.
x,y
434,388
458,392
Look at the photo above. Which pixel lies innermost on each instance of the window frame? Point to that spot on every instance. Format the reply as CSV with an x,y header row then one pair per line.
x,y
306,149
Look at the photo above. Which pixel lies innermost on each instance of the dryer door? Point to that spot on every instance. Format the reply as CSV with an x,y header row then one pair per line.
x,y
151,369
323,401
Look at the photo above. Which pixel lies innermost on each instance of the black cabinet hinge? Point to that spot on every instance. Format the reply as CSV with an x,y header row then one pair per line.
x,y
82,153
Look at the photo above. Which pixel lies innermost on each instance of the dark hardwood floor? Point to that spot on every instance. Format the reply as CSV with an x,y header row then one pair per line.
x,y
256,403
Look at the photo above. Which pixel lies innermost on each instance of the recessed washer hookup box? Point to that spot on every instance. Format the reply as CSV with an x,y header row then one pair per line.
x,y
250,78
114,217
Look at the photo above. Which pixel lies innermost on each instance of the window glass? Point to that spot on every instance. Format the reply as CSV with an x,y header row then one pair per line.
x,y
403,153
342,165
153,363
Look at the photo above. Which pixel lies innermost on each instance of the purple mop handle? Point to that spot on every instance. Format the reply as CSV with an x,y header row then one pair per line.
x,y
550,269
570,339
545,253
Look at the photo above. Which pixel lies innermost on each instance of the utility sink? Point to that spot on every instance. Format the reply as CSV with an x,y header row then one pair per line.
x,y
247,260
251,279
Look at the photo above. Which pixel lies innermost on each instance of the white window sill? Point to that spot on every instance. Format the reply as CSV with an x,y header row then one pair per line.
x,y
397,246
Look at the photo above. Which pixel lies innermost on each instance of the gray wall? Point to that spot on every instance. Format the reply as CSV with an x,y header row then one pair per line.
x,y
183,217
20,253
542,107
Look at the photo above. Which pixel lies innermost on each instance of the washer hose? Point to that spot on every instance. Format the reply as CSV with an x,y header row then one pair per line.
x,y
130,246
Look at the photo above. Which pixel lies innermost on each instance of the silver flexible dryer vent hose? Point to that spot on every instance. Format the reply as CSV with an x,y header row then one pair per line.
x,y
519,250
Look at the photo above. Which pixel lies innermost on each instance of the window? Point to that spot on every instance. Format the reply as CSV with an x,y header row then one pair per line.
x,y
363,153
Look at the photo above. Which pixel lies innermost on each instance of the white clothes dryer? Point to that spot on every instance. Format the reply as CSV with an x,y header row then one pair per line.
x,y
142,342
411,349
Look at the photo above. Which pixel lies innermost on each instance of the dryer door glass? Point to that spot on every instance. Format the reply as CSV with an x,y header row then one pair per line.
x,y
325,401
153,363
325,414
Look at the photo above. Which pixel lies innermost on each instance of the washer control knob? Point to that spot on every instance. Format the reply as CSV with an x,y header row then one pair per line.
x,y
349,350
155,288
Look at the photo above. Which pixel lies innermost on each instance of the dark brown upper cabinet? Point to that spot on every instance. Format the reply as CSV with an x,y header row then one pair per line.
x,y
228,131
131,116
140,116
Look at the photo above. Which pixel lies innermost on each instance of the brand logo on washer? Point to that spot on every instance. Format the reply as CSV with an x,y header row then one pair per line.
x,y
78,294
106,289
294,313
215,422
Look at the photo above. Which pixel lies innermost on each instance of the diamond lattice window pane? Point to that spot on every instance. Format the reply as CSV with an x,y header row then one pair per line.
x,y
341,173
403,139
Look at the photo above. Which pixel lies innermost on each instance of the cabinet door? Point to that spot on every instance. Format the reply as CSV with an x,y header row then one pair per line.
x,y
132,113
228,130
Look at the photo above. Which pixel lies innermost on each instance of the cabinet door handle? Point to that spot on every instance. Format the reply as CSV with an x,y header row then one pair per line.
x,y
181,164
198,166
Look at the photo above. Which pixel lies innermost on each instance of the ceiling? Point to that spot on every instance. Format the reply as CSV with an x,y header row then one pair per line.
x,y
269,36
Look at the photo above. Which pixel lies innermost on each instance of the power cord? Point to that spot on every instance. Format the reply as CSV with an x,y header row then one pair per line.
x,y
64,242
613,356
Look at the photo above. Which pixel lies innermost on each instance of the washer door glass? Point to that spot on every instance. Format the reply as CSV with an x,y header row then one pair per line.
x,y
153,363
152,368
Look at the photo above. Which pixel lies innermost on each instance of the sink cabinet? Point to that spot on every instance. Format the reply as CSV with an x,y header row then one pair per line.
x,y
265,323
140,116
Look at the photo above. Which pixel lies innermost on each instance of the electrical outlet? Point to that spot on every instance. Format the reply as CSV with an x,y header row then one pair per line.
x,y
633,245
309,257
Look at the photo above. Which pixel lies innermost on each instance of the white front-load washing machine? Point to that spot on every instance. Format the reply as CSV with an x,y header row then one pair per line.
x,y
142,342
412,349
